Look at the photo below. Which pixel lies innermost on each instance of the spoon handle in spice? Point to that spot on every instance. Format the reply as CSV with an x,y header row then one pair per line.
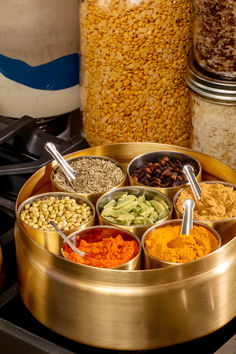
x,y
67,240
187,222
68,171
188,170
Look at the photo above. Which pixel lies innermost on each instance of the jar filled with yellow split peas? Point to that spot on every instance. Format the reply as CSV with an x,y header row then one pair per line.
x,y
133,61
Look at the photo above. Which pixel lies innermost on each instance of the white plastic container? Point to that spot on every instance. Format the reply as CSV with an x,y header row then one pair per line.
x,y
39,57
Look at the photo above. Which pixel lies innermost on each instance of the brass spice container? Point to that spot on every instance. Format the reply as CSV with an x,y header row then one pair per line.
x,y
111,231
149,193
151,262
49,239
226,228
137,310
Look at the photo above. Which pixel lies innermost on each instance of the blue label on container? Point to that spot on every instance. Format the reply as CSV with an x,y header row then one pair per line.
x,y
58,74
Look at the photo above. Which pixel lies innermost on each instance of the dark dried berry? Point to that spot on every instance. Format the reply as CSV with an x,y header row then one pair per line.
x,y
167,172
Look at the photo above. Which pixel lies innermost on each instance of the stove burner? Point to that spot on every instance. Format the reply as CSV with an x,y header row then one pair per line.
x,y
53,125
22,151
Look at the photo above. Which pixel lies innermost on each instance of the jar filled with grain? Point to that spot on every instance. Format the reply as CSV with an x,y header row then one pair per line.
x,y
132,70
214,37
213,107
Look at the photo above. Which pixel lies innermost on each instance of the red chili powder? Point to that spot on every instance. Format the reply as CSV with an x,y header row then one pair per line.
x,y
102,251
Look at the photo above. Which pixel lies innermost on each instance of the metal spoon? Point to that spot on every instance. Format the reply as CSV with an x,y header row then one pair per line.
x,y
68,171
68,241
187,222
189,172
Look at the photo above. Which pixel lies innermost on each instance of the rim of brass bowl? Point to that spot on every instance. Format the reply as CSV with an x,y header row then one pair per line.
x,y
50,239
137,230
132,264
180,214
140,160
93,197
154,262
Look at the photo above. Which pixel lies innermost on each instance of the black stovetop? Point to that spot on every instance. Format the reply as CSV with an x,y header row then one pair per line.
x,y
20,332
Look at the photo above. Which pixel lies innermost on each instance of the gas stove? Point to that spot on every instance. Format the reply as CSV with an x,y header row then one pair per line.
x,y
21,154
22,149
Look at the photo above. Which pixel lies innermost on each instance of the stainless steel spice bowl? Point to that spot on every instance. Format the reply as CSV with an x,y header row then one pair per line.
x,y
93,197
156,156
49,239
151,262
149,193
226,228
111,231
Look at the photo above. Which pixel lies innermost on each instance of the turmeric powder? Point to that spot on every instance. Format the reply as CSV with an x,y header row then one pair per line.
x,y
102,251
166,243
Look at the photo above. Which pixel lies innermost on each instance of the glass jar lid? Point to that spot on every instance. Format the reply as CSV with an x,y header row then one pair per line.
x,y
209,87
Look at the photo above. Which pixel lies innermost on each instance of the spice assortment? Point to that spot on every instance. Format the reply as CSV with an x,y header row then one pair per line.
x,y
129,209
218,201
166,243
214,36
66,212
132,71
89,286
135,208
102,250
93,175
164,172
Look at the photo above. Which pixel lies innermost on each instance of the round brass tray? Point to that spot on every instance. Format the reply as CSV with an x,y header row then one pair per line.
x,y
127,310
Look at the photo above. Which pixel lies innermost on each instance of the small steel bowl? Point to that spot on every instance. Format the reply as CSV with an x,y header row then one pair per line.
x,y
134,263
149,193
49,239
155,156
226,228
93,197
151,262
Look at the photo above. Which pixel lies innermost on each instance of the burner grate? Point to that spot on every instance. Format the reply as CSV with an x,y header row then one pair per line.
x,y
22,152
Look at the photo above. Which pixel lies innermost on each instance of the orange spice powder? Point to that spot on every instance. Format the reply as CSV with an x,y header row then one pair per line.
x,y
166,243
103,252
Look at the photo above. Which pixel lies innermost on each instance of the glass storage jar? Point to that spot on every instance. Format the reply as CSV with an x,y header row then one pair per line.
x,y
213,109
134,55
214,36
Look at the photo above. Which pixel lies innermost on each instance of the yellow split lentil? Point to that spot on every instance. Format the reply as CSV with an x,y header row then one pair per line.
x,y
132,70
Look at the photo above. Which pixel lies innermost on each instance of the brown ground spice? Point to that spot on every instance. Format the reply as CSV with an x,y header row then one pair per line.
x,y
218,202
